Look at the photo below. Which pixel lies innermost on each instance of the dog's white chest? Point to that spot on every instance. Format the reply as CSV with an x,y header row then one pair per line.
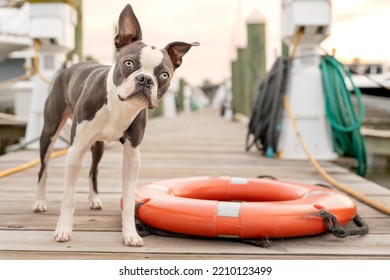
x,y
108,124
114,123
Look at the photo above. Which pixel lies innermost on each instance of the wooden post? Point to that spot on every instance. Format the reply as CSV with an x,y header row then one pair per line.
x,y
249,68
78,35
180,95
256,57
78,49
285,49
242,82
235,94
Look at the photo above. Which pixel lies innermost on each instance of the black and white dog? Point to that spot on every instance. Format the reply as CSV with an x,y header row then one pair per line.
x,y
107,103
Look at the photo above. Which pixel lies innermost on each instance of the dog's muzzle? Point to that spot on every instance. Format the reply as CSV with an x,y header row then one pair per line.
x,y
143,89
144,85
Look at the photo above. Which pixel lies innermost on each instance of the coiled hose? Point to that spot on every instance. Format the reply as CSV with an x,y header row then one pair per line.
x,y
340,111
266,118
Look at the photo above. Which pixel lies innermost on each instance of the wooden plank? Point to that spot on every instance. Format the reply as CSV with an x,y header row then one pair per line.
x,y
111,221
371,132
35,255
48,222
374,245
82,208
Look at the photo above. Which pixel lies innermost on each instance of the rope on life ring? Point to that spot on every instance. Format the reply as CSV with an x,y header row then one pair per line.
x,y
332,225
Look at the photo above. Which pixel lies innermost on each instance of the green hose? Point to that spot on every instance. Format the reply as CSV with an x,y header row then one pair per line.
x,y
347,139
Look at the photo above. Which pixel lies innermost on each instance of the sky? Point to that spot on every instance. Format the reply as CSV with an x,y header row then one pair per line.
x,y
359,28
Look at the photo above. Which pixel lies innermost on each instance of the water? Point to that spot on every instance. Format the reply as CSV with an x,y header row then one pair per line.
x,y
378,169
380,176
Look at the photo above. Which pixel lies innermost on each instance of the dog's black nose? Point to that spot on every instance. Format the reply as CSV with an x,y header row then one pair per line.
x,y
145,80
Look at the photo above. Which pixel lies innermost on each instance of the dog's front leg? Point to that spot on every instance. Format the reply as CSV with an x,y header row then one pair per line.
x,y
64,227
131,166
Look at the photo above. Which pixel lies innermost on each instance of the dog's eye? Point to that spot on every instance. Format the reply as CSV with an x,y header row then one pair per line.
x,y
129,63
164,75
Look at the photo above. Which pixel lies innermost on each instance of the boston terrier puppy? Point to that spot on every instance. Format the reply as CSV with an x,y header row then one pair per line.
x,y
106,103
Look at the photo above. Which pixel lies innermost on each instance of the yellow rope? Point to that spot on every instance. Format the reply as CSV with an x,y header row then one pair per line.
x,y
373,203
37,46
296,42
32,71
324,174
30,164
10,82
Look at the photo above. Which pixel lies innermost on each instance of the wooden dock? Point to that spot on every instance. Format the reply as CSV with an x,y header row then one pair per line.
x,y
192,144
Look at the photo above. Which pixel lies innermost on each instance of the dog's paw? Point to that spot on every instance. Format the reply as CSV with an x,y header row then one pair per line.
x,y
133,240
64,227
95,203
40,206
63,234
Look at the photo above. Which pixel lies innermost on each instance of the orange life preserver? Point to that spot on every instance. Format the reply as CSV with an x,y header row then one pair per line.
x,y
240,207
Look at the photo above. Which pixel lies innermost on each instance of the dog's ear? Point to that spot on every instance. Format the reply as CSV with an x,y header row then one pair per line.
x,y
177,50
129,29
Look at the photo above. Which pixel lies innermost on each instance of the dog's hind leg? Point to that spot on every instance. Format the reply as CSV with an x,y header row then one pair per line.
x,y
50,132
97,150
